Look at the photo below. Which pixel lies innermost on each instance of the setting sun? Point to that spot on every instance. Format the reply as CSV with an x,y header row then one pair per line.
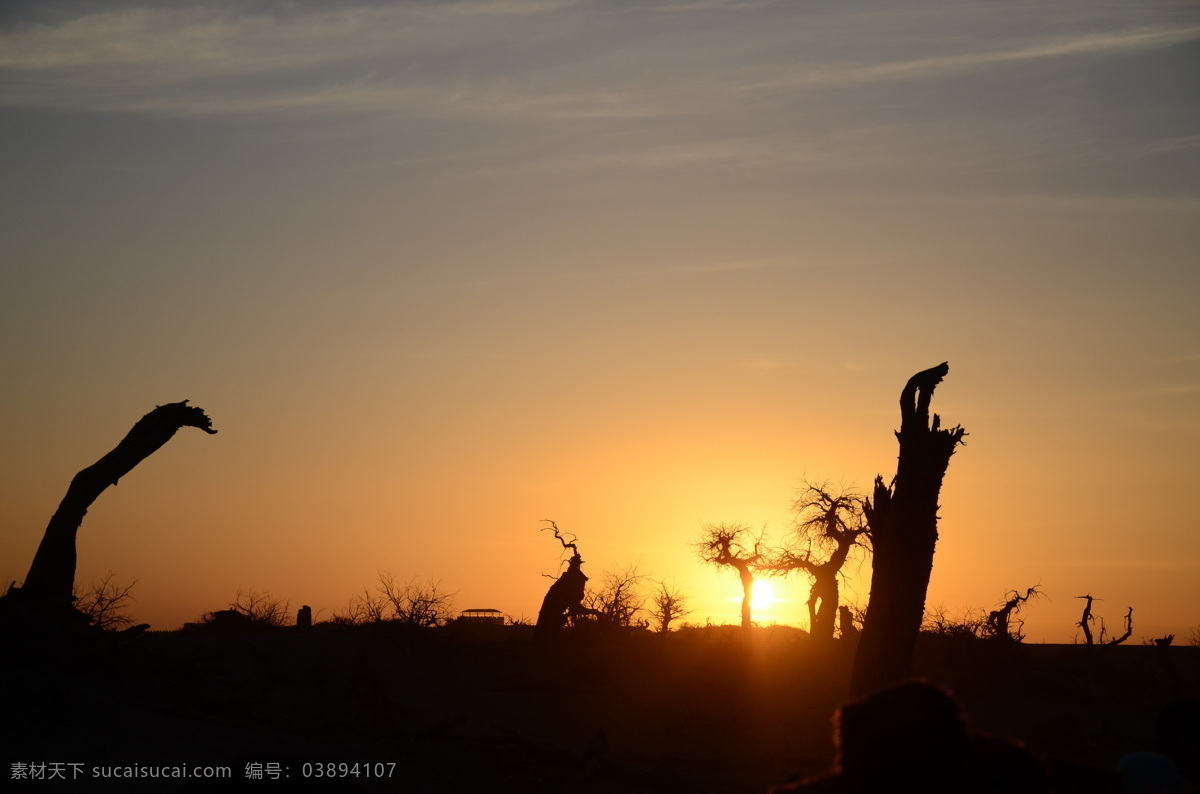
x,y
764,597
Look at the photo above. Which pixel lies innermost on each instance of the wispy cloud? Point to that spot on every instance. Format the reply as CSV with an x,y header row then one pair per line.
x,y
370,95
1151,392
1129,564
556,89
712,267
491,57
759,151
692,6
191,42
615,274
1186,358
188,60
1168,145
1042,323
1093,44
762,364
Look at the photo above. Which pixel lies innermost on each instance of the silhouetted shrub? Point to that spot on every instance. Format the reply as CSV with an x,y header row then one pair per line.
x,y
106,602
415,603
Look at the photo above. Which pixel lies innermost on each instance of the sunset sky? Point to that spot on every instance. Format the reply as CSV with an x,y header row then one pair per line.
x,y
440,270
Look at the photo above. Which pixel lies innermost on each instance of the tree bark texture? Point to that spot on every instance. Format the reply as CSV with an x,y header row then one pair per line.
x,y
903,525
52,574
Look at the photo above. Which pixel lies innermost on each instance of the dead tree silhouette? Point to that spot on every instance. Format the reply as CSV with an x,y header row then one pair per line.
x,y
1087,619
667,605
52,574
999,624
834,524
620,598
105,603
564,599
902,519
738,547
1085,622
1123,637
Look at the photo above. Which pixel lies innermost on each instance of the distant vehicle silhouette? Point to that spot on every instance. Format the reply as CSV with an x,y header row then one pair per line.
x,y
486,616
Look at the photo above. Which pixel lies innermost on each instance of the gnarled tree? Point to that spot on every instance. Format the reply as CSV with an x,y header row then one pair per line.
x,y
736,546
1088,618
1002,623
668,604
902,519
829,525
414,603
51,577
564,599
620,599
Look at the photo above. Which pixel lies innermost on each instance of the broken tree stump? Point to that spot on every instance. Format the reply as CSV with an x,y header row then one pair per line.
x,y
51,577
903,527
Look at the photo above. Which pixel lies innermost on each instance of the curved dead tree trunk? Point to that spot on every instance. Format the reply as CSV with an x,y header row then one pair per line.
x,y
1088,618
1128,629
903,525
52,574
999,625
564,599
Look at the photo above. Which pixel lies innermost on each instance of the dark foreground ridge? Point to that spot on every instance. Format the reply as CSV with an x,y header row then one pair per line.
x,y
483,708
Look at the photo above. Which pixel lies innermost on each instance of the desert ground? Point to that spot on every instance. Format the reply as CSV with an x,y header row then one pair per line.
x,y
482,708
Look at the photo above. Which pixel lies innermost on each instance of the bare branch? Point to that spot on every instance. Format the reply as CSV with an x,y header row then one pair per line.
x,y
669,604
558,534
619,598
261,608
416,603
106,602
1128,629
